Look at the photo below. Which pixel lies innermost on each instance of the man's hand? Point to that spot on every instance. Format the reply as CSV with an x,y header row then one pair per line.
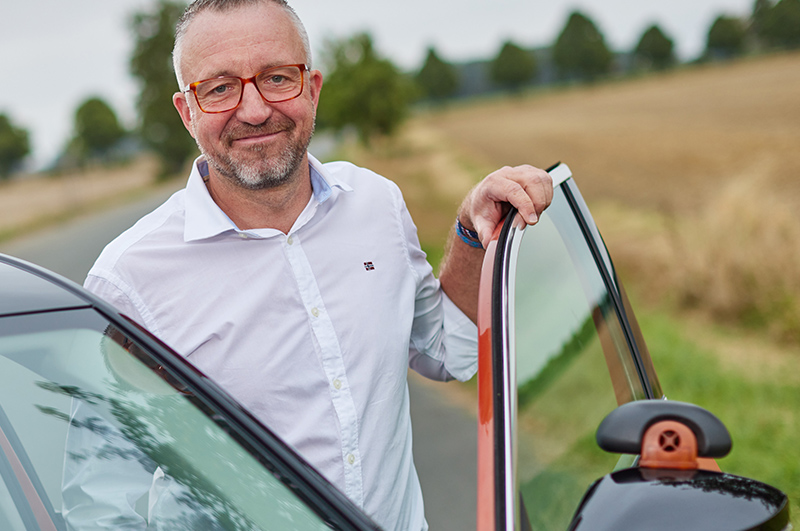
x,y
528,189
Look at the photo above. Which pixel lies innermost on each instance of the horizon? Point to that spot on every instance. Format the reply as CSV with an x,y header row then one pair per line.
x,y
89,42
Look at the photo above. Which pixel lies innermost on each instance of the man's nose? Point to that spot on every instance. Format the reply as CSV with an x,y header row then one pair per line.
x,y
253,108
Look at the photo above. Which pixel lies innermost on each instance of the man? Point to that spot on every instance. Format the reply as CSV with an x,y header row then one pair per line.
x,y
301,287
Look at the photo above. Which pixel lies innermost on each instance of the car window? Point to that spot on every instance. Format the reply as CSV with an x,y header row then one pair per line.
x,y
101,432
574,363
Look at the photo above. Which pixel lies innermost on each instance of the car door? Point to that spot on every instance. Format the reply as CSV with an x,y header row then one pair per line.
x,y
96,416
559,349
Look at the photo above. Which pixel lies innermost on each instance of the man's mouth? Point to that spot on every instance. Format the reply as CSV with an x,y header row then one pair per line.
x,y
255,135
251,138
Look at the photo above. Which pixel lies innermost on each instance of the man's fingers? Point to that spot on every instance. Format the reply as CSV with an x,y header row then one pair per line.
x,y
528,189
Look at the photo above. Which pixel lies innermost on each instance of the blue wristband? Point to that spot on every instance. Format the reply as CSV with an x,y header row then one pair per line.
x,y
470,237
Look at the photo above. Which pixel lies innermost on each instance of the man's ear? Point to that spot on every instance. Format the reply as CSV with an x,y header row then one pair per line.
x,y
180,103
315,86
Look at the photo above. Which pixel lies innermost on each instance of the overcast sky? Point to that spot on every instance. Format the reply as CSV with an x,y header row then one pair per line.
x,y
56,53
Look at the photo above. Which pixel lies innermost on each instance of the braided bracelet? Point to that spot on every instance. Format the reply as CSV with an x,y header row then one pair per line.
x,y
470,237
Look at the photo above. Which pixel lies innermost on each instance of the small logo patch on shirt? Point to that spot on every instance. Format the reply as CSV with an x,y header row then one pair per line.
x,y
368,266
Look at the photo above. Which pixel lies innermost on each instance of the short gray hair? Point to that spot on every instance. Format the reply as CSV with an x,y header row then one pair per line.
x,y
199,6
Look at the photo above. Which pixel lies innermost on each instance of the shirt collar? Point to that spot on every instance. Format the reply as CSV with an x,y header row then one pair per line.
x,y
204,219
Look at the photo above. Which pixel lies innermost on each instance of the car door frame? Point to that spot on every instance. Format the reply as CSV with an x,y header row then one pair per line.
x,y
498,505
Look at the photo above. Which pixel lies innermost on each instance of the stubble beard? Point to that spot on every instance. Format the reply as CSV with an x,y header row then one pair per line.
x,y
262,171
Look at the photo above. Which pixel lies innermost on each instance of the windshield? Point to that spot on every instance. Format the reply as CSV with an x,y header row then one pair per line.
x,y
95,432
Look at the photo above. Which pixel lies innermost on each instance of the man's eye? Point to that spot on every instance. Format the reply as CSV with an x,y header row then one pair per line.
x,y
276,79
216,89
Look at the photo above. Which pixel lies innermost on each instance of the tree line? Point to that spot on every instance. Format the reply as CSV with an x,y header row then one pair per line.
x,y
367,93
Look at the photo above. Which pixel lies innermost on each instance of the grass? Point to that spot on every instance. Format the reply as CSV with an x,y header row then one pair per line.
x,y
762,413
558,454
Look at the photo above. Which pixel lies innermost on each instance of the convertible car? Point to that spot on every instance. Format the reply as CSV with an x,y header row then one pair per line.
x,y
573,428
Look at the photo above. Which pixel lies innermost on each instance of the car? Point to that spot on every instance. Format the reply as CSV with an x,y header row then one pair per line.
x,y
563,366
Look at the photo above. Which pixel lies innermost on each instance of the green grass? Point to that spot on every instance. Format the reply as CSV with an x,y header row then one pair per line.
x,y
559,457
762,415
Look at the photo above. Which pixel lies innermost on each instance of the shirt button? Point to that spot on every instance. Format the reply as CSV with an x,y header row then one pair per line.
x,y
242,235
290,240
315,312
337,384
351,458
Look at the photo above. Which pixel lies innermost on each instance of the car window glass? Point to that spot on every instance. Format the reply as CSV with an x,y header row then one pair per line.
x,y
102,437
573,366
10,517
644,354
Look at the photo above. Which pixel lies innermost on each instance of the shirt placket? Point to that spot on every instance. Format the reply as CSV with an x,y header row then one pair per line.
x,y
332,364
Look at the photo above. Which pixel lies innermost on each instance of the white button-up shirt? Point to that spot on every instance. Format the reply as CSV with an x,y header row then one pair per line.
x,y
313,330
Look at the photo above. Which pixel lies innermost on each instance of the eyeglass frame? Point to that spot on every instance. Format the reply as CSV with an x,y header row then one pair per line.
x,y
244,81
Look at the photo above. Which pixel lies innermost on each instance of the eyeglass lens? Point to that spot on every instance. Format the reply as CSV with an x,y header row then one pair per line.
x,y
275,85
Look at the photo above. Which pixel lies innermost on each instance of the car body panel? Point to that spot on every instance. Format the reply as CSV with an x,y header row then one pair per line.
x,y
24,292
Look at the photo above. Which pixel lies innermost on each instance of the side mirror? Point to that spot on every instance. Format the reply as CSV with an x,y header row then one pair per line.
x,y
668,491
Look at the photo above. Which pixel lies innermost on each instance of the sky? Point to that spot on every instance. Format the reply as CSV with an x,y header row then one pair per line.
x,y
56,53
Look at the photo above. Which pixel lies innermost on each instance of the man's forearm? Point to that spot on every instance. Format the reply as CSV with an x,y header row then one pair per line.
x,y
460,274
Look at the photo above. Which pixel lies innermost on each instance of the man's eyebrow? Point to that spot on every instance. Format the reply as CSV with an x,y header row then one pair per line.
x,y
266,66
220,73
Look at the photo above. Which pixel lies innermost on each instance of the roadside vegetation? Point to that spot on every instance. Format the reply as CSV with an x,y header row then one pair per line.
x,y
691,177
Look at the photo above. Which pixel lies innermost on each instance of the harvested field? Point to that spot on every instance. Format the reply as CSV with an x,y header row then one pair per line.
x,y
692,176
30,203
662,142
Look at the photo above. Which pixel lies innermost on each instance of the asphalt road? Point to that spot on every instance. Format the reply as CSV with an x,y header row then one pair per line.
x,y
445,446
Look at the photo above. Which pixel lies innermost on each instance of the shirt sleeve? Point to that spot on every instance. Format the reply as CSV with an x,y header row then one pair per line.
x,y
119,295
444,342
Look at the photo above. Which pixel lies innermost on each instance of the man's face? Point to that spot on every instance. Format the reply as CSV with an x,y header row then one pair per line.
x,y
258,144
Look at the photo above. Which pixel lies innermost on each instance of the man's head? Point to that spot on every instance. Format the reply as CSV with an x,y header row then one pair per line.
x,y
199,6
257,144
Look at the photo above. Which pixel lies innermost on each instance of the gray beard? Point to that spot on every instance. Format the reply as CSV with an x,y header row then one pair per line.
x,y
264,174
268,174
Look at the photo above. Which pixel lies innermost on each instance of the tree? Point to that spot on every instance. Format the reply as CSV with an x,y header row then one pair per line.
x,y
726,38
97,129
780,25
363,90
513,67
160,126
655,50
437,79
580,49
758,20
14,146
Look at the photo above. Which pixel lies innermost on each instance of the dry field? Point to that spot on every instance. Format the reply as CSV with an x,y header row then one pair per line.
x,y
692,176
30,203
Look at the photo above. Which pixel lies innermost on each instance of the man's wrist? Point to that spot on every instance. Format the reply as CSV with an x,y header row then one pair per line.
x,y
467,235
